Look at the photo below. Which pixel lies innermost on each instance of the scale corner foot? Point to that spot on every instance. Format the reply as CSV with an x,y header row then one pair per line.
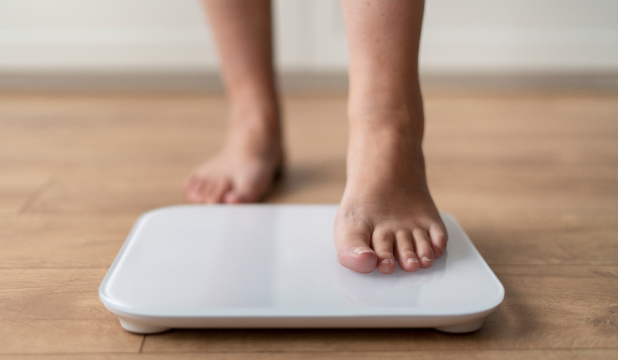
x,y
462,328
141,328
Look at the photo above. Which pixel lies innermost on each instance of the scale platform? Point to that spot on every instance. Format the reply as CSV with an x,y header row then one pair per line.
x,y
275,266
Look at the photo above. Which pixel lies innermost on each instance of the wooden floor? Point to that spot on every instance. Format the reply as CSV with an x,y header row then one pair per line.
x,y
532,178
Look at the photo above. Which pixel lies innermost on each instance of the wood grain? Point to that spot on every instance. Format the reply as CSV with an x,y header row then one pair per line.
x,y
532,178
576,354
541,237
19,190
58,310
536,314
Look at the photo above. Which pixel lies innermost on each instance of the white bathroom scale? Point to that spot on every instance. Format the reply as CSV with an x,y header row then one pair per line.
x,y
275,266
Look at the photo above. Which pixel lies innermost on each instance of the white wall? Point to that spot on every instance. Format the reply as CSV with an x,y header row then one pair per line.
x,y
521,35
172,36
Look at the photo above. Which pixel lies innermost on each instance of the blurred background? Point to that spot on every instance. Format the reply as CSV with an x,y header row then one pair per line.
x,y
167,44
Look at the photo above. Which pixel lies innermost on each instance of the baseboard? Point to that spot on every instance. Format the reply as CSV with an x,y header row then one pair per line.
x,y
521,82
171,82
70,82
210,82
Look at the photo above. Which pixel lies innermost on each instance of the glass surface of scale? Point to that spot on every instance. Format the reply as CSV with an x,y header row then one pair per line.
x,y
276,266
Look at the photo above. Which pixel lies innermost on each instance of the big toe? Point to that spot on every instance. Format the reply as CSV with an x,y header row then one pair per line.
x,y
360,259
353,250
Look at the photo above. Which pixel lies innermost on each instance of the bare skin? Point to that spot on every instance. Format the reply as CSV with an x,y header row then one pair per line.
x,y
243,171
387,215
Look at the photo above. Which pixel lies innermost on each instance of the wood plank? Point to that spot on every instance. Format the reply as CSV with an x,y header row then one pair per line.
x,y
476,188
576,354
52,228
545,152
532,179
75,131
541,237
546,307
502,237
19,190
65,337
51,294
503,164
487,187
105,192
58,311
29,241
59,253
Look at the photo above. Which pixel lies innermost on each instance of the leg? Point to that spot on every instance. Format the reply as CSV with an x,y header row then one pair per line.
x,y
386,212
243,170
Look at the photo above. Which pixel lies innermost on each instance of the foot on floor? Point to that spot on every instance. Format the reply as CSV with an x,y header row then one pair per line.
x,y
244,170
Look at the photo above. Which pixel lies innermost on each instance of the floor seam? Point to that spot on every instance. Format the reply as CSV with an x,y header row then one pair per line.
x,y
371,351
36,195
142,345
296,351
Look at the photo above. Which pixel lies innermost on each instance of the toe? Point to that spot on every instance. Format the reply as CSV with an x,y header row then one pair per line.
x,y
199,193
224,187
189,184
192,185
205,191
423,248
439,237
243,191
382,242
404,245
233,196
230,197
352,240
216,191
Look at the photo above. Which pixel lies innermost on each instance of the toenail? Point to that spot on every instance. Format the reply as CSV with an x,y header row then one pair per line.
x,y
425,258
412,260
386,262
359,251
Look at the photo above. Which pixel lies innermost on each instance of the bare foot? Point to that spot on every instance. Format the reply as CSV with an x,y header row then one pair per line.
x,y
387,214
244,170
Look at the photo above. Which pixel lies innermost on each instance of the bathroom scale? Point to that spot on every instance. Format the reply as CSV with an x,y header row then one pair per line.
x,y
275,266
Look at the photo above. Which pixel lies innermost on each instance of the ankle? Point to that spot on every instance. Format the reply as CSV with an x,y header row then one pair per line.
x,y
400,123
386,111
255,129
256,115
